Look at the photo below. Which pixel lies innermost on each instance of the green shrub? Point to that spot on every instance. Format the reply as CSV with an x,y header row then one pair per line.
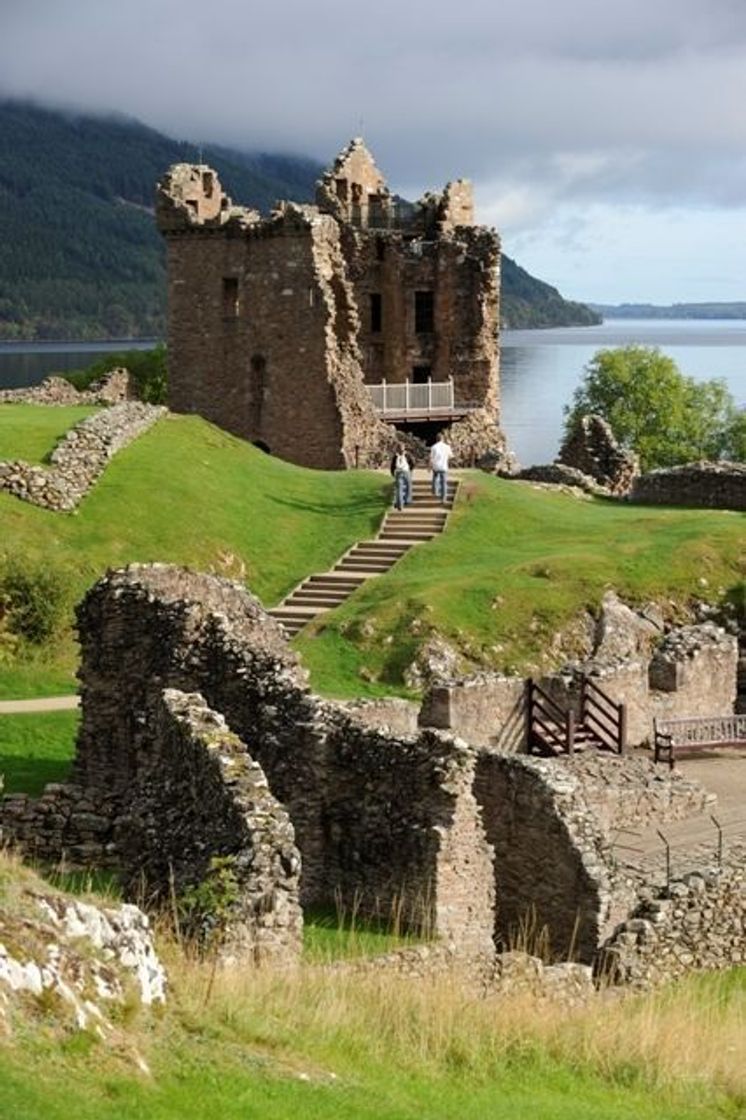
x,y
32,600
147,368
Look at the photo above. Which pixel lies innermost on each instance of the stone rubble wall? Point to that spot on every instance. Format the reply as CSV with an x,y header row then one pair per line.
x,y
486,709
79,460
554,474
593,449
115,387
708,485
696,922
553,882
692,672
200,797
389,714
68,824
375,817
405,838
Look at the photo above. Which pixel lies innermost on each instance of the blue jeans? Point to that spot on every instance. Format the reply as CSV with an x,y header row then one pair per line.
x,y
440,484
402,489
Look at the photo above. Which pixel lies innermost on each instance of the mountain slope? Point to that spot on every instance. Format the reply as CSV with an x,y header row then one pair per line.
x,y
80,256
528,302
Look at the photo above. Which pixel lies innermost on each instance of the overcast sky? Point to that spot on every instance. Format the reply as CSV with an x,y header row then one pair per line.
x,y
607,142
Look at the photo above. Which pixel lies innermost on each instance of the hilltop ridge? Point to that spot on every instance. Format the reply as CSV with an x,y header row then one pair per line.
x,y
80,256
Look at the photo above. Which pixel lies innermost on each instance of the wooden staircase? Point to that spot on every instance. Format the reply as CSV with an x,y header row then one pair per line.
x,y
552,730
401,529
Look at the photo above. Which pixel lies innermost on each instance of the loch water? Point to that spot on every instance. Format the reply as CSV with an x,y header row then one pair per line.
x,y
539,369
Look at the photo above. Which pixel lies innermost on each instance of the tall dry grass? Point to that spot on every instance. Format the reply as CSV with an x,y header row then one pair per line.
x,y
692,1034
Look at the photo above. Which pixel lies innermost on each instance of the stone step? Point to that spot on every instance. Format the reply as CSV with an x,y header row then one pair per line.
x,y
363,566
378,555
292,614
311,594
333,581
317,604
408,535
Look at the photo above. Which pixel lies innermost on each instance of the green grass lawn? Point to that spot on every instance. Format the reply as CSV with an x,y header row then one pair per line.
x,y
516,565
36,748
186,493
30,431
346,1047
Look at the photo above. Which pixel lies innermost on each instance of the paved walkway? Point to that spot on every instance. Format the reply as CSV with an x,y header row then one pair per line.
x,y
39,704
694,841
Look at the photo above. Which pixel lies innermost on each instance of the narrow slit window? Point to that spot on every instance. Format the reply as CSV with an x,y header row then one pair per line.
x,y
424,312
376,312
230,297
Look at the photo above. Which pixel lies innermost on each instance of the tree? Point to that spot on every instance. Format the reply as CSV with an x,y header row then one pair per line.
x,y
654,410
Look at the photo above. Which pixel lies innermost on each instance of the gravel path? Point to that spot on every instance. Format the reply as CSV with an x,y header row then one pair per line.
x,y
39,704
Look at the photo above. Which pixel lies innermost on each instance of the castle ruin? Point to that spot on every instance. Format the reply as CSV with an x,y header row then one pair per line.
x,y
304,331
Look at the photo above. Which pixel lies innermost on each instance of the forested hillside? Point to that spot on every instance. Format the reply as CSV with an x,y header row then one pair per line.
x,y
80,256
528,302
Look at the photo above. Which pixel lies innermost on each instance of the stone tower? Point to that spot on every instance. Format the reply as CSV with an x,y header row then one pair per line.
x,y
278,325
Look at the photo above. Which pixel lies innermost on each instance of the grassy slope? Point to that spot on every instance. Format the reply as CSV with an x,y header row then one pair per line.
x,y
36,749
329,1046
515,566
30,431
188,493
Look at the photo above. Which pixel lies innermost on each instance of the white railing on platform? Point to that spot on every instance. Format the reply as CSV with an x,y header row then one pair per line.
x,y
409,396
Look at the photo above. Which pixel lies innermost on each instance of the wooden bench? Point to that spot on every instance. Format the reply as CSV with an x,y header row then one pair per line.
x,y
679,736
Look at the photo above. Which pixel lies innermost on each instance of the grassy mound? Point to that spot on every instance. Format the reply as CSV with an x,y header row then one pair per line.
x,y
515,567
184,493
504,585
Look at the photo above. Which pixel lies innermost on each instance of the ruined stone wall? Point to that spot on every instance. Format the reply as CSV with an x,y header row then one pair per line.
x,y
696,922
486,709
592,449
374,816
694,672
80,458
262,337
712,485
553,884
114,387
404,832
199,797
67,824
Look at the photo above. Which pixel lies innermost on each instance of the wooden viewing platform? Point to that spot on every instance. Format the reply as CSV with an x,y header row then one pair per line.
x,y
412,400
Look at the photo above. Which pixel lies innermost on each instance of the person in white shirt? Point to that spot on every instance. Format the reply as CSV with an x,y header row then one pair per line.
x,y
440,455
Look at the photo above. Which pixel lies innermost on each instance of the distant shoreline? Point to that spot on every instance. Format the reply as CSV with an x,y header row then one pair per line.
x,y
140,343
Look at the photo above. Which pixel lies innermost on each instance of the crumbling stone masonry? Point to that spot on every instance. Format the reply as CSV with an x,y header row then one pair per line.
x,y
79,459
593,449
712,485
388,824
200,741
277,323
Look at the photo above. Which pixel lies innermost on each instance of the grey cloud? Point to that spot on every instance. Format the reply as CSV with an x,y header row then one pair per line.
x,y
574,99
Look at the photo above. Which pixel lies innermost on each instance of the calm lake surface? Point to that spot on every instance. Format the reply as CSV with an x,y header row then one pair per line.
x,y
539,369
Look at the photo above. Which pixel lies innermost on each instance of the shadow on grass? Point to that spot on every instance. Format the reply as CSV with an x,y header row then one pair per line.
x,y
29,774
333,507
